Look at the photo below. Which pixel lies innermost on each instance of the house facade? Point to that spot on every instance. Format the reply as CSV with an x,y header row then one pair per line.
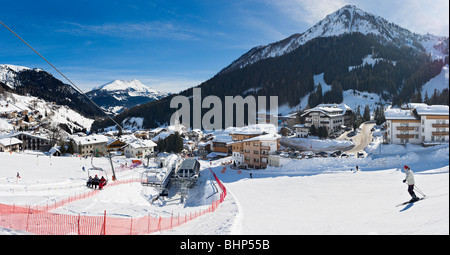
x,y
237,146
257,149
139,149
34,142
301,130
417,124
87,145
10,144
254,152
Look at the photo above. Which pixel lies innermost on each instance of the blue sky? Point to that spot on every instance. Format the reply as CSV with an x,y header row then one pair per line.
x,y
173,45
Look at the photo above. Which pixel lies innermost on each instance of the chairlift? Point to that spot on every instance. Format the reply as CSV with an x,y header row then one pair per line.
x,y
96,171
164,192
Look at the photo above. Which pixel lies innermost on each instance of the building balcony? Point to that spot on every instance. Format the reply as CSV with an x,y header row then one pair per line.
x,y
405,136
440,125
405,128
440,133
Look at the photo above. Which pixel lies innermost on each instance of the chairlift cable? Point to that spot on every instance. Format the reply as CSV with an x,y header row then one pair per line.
x,y
78,89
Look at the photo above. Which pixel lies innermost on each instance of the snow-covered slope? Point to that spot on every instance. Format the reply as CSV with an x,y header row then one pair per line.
x,y
310,196
52,114
438,83
116,95
347,20
8,74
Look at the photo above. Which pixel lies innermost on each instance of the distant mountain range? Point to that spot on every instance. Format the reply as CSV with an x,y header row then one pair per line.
x,y
114,96
118,95
350,48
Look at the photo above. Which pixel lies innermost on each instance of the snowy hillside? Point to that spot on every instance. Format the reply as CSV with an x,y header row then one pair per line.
x,y
438,83
352,98
52,114
8,74
349,19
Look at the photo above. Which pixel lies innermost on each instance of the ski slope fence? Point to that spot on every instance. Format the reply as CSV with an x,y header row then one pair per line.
x,y
39,220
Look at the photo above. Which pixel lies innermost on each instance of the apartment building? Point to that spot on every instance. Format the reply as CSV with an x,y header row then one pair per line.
x,y
417,124
332,116
87,145
254,152
237,146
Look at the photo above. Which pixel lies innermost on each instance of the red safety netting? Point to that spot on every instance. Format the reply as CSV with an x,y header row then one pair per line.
x,y
38,219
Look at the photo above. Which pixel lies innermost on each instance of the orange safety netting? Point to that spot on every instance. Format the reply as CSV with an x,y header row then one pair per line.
x,y
38,219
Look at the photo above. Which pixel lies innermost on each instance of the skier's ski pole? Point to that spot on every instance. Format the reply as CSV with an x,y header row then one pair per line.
x,y
418,190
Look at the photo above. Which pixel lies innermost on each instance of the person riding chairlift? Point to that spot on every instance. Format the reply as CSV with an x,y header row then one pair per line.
x,y
102,183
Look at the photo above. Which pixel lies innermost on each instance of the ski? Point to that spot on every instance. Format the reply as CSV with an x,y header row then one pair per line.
x,y
410,202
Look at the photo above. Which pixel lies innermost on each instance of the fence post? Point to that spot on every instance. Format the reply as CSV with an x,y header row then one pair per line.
x,y
148,225
104,224
79,225
159,224
131,226
28,217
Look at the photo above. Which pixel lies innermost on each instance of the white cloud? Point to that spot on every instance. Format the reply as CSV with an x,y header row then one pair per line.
x,y
152,29
308,11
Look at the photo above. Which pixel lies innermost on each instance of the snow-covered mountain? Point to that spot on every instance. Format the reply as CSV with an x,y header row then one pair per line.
x,y
43,114
347,20
40,84
117,95
8,74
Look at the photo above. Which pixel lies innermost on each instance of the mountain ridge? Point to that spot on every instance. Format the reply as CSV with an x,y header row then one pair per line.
x,y
349,19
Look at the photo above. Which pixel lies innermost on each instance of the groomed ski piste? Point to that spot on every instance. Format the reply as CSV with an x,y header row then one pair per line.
x,y
321,196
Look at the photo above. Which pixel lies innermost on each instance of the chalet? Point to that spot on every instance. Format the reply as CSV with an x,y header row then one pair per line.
x,y
301,130
139,148
203,148
115,145
10,144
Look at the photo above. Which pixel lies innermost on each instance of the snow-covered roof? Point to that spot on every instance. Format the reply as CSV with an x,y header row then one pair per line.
x,y
398,114
419,108
92,139
139,143
431,109
330,109
31,135
10,141
252,129
267,137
